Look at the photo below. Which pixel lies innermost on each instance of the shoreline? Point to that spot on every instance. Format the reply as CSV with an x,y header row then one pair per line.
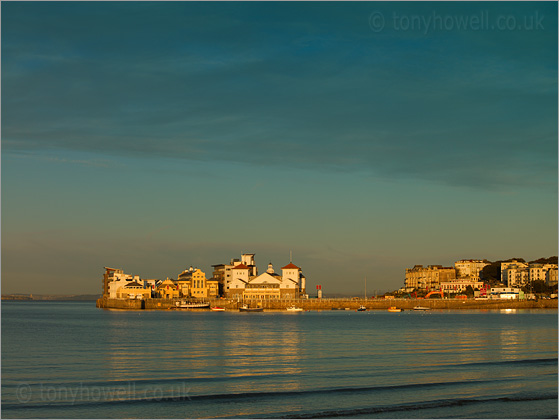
x,y
333,304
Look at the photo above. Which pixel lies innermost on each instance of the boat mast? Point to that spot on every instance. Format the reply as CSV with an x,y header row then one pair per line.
x,y
365,288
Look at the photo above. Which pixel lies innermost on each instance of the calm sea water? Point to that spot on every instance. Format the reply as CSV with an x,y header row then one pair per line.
x,y
71,360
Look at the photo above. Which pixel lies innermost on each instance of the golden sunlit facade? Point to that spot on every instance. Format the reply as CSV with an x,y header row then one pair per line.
x,y
167,290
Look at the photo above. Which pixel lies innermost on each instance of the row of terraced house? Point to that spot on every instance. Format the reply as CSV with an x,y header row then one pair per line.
x,y
514,274
237,280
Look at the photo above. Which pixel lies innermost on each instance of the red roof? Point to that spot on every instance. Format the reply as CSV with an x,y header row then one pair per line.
x,y
291,265
241,266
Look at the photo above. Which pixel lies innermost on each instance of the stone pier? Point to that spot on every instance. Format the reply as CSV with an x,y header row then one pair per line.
x,y
329,304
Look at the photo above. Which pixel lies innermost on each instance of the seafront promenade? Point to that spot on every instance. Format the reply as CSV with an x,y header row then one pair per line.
x,y
330,304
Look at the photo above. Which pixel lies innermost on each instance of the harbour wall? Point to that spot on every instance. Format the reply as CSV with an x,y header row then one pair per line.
x,y
329,304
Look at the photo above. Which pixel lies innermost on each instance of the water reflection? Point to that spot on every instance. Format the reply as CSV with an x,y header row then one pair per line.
x,y
198,348
394,360
268,348
121,353
508,311
511,343
235,353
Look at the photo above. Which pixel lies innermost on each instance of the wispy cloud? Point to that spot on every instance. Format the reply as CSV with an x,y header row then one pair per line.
x,y
285,85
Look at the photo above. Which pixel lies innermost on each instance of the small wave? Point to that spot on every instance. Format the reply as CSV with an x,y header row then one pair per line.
x,y
412,407
515,362
145,382
122,399
341,413
251,377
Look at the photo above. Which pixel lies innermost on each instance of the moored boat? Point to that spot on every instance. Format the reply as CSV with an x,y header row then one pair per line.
x,y
394,309
192,305
294,309
245,308
420,308
218,309
361,309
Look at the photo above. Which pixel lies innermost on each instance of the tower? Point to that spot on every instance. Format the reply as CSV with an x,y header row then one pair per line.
x,y
270,269
248,260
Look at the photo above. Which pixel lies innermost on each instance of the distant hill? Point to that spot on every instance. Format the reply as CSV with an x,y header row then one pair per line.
x,y
50,297
16,297
550,260
66,297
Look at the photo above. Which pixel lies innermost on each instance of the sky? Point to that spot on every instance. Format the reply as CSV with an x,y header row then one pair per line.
x,y
363,138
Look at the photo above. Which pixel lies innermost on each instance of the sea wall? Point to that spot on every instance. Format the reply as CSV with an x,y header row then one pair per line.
x,y
329,304
383,304
129,304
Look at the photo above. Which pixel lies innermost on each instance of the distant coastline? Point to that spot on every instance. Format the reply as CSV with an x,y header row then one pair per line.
x,y
32,297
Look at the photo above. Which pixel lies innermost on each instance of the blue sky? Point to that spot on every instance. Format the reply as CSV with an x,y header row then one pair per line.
x,y
155,136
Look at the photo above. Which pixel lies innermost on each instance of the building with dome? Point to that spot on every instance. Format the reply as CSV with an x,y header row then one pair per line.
x,y
240,280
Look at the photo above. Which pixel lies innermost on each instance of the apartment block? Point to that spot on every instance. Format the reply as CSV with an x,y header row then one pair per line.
x,y
428,278
518,274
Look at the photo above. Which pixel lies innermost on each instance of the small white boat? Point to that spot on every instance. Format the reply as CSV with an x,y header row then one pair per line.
x,y
294,309
394,309
420,308
361,309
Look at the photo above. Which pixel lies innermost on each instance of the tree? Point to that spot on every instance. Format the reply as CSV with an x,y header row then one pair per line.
x,y
550,260
492,273
469,291
539,286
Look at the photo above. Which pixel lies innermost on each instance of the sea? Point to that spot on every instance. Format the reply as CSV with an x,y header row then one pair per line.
x,y
72,360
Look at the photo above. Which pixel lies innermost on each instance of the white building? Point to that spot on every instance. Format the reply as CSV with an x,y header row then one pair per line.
x,y
245,283
551,277
223,273
114,279
240,275
517,265
515,275
539,271
505,293
518,274
114,287
294,282
265,286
